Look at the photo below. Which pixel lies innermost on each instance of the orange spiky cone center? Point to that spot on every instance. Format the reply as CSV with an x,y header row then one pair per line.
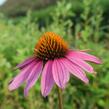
x,y
50,46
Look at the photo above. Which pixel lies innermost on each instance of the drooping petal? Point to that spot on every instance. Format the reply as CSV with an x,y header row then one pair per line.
x,y
21,77
84,56
26,62
75,70
67,74
33,76
81,63
47,80
59,73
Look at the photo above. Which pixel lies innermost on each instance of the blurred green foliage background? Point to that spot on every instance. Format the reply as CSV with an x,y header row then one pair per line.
x,y
84,24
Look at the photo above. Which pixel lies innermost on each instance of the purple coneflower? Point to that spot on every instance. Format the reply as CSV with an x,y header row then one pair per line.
x,y
54,61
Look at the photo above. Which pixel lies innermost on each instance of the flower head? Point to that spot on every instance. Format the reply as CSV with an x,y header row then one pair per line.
x,y
50,46
54,61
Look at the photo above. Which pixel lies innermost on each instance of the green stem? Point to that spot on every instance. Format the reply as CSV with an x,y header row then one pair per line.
x,y
60,98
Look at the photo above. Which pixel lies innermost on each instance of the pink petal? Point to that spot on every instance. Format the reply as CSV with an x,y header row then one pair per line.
x,y
20,78
81,63
84,56
47,81
33,76
59,73
26,62
75,70
67,74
